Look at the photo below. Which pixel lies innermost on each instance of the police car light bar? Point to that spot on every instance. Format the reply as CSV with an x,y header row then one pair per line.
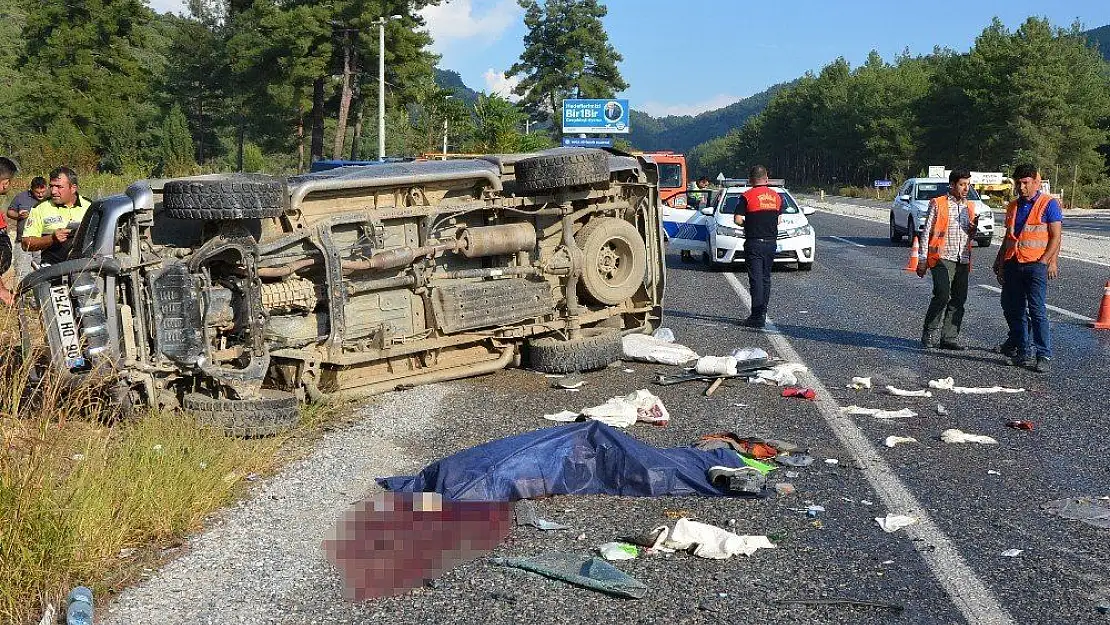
x,y
743,182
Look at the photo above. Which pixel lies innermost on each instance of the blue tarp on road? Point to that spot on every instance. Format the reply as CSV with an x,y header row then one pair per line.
x,y
586,458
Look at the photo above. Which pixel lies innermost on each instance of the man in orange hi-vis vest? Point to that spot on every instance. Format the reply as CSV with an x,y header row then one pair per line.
x,y
949,229
1024,265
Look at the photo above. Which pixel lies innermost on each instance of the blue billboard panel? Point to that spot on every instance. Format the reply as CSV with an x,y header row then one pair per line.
x,y
587,142
884,184
595,116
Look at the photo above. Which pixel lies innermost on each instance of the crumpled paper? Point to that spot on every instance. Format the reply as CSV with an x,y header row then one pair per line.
x,y
712,542
893,522
959,436
859,383
879,413
779,375
901,392
891,441
949,384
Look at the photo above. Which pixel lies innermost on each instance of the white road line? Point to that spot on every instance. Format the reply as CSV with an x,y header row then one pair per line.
x,y
968,593
846,241
1066,313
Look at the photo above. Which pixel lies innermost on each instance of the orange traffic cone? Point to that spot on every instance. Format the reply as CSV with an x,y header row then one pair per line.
x,y
1103,322
912,264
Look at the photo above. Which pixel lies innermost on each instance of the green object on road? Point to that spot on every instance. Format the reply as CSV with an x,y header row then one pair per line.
x,y
762,467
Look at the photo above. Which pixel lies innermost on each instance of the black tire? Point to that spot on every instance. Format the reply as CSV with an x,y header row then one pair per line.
x,y
238,196
984,242
595,348
275,412
541,174
910,232
686,257
895,237
805,266
615,260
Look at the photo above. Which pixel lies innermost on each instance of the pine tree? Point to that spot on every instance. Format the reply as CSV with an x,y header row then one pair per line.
x,y
176,144
566,54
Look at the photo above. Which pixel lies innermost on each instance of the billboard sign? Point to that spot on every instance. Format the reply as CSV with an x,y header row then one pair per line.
x,y
587,142
884,184
595,117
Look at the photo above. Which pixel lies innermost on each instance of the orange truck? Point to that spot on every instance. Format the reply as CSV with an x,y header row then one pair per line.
x,y
672,176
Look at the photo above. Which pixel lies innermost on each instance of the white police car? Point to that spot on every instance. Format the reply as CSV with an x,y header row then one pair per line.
x,y
796,243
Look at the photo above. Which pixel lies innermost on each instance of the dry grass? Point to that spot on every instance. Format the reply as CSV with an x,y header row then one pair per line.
x,y
80,489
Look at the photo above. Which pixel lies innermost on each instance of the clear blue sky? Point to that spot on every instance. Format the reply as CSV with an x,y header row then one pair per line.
x,y
687,56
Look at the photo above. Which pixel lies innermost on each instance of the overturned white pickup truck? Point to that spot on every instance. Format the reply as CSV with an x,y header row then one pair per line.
x,y
237,296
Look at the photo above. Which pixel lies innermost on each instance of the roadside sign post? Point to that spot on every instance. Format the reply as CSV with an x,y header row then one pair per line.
x,y
882,184
936,171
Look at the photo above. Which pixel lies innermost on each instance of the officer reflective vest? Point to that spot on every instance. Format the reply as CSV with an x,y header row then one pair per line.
x,y
762,199
1031,245
940,229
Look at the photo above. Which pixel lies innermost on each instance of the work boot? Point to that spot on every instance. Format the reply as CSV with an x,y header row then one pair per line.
x,y
755,322
1021,360
928,340
1042,364
1008,351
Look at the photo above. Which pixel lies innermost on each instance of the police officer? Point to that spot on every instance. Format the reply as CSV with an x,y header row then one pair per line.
x,y
758,211
49,226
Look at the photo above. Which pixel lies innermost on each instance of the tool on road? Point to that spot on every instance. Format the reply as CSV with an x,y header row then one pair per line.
x,y
741,372
714,386
1103,321
911,265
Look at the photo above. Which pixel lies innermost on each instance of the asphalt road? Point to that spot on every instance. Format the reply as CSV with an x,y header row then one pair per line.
x,y
856,314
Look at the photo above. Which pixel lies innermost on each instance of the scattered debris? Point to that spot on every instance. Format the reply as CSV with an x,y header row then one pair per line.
x,y
891,441
585,571
793,474
738,481
563,416
714,386
742,354
813,510
797,391
762,467
569,382
126,553
650,349
893,522
992,472
748,446
623,411
784,488
1012,553
664,334
949,384
941,410
879,413
652,539
795,459
716,365
525,514
860,384
779,375
866,502
831,461
959,436
619,551
1090,510
629,370
252,477
852,602
48,615
901,392
1019,424
712,542
676,514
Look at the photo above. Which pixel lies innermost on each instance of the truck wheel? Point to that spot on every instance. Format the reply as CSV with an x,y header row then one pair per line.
x,y
541,174
615,260
595,348
238,196
275,412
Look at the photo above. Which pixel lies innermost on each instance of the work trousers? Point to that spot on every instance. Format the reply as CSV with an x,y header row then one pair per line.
x,y
1024,291
759,254
946,310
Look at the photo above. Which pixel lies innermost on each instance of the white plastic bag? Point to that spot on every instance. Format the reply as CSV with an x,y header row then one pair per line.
x,y
664,334
959,436
623,411
716,365
742,354
713,542
650,349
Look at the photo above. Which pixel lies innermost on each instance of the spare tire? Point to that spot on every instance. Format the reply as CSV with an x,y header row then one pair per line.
x,y
238,196
273,413
541,174
615,260
595,348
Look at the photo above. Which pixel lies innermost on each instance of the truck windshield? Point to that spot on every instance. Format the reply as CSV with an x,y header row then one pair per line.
x,y
670,175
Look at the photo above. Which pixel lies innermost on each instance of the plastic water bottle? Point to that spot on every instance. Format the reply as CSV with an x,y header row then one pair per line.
x,y
80,606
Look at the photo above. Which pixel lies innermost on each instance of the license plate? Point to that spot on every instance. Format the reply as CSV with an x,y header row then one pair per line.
x,y
66,324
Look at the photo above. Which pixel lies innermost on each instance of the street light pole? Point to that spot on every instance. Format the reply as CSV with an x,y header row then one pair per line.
x,y
381,88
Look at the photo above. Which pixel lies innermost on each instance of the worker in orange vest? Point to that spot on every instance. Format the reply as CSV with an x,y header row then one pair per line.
x,y
759,211
949,228
1024,265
